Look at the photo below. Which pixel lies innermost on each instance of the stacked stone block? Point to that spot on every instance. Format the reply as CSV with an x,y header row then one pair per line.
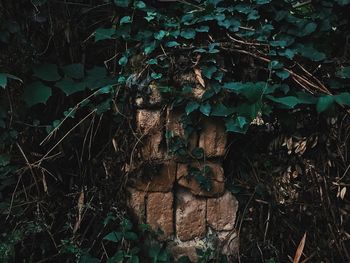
x,y
167,199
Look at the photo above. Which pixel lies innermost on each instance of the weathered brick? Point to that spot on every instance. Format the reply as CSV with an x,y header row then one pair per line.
x,y
160,213
190,215
136,203
221,212
150,126
148,121
159,178
216,179
213,138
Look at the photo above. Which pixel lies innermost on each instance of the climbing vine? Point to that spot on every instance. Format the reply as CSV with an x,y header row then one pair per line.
x,y
66,63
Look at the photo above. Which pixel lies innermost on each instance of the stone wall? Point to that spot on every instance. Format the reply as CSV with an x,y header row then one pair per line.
x,y
167,198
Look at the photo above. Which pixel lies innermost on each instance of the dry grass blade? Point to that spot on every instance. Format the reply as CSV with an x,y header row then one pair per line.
x,y
300,249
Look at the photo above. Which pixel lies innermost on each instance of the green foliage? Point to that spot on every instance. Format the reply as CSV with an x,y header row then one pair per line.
x,y
89,60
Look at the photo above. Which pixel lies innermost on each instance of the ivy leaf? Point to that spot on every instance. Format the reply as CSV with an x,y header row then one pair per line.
x,y
188,33
262,2
310,52
140,4
209,71
191,107
344,73
123,61
205,108
324,103
125,20
69,87
104,33
149,47
113,236
152,61
121,3
282,74
343,98
290,101
160,35
130,236
35,93
156,75
47,72
3,80
220,110
75,71
238,124
308,29
202,29
274,64
343,2
172,44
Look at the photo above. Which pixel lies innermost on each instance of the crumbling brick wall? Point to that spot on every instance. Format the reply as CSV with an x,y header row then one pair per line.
x,y
166,198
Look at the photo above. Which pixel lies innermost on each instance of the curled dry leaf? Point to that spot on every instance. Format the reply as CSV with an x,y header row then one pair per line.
x,y
199,78
81,200
342,193
301,148
300,249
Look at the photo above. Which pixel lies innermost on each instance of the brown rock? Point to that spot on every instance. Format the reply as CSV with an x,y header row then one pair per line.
x,y
213,138
150,126
159,178
221,212
216,178
184,250
160,213
174,125
151,147
148,121
136,203
229,242
190,216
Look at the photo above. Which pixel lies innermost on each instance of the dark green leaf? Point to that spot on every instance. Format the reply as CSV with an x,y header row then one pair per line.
x,y
172,44
130,236
75,71
140,4
121,3
290,101
205,108
123,61
188,33
220,110
238,124
324,103
344,73
69,86
191,106
114,236
209,71
47,72
3,80
283,74
160,34
125,20
104,33
343,98
36,93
